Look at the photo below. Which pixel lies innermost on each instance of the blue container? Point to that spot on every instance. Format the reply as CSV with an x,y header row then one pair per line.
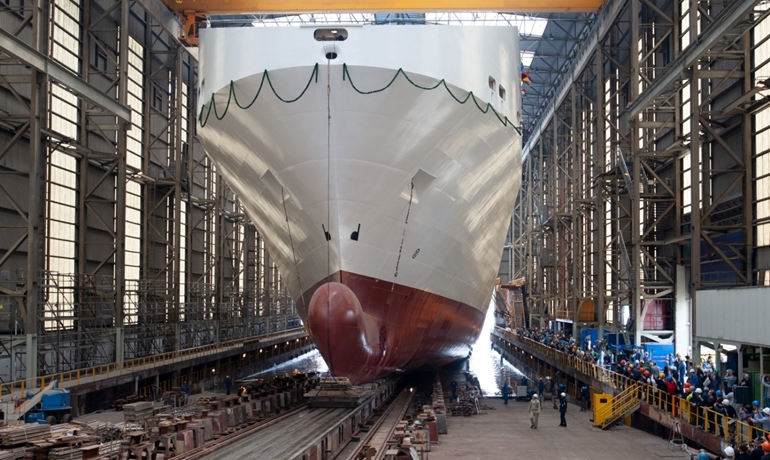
x,y
593,333
658,352
616,339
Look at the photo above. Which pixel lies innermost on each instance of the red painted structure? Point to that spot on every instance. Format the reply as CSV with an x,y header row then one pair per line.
x,y
366,328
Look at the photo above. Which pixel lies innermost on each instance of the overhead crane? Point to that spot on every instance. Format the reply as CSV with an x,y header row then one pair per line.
x,y
192,12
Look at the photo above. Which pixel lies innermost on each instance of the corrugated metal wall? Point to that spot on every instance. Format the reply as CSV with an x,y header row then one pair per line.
x,y
736,315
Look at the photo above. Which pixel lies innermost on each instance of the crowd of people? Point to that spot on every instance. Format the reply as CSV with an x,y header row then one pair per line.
x,y
695,392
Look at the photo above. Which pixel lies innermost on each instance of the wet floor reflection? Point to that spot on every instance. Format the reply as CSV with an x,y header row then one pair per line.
x,y
485,363
311,361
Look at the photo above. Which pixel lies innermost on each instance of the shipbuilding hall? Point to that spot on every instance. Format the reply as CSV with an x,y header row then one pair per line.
x,y
325,230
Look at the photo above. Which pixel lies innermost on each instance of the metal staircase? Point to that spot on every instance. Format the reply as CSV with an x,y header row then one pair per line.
x,y
624,403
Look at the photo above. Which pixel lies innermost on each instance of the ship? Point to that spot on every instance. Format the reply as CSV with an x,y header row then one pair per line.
x,y
381,165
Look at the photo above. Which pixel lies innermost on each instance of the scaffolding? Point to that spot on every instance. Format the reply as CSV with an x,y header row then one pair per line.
x,y
119,239
639,179
78,328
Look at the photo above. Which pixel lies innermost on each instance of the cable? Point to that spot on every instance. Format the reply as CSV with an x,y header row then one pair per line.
x,y
328,207
231,96
328,213
403,235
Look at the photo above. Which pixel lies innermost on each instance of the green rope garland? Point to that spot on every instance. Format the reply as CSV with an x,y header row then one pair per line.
x,y
231,96
504,120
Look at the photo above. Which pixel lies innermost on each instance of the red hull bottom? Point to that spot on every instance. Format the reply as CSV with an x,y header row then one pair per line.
x,y
366,328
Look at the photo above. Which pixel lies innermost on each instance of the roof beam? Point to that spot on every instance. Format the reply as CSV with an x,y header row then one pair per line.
x,y
166,18
600,27
725,21
381,6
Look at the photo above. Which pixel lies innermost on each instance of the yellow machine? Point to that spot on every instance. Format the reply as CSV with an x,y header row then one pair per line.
x,y
600,402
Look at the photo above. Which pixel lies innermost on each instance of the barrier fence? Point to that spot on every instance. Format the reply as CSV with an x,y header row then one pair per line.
x,y
728,429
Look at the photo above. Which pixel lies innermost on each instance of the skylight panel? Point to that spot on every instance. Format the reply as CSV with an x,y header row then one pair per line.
x,y
526,57
529,26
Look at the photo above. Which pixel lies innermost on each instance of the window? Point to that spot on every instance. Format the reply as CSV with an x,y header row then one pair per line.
x,y
136,102
502,97
762,138
331,35
66,34
492,90
157,99
100,58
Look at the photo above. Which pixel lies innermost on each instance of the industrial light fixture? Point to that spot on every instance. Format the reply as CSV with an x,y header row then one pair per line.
x,y
763,84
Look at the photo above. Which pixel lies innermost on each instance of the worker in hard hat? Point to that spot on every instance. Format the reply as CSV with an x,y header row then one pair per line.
x,y
766,450
534,411
563,409
185,389
584,393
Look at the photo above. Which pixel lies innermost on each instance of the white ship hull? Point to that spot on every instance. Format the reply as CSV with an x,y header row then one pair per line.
x,y
335,159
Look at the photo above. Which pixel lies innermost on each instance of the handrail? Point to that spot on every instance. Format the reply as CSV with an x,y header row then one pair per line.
x,y
621,405
618,401
75,377
729,429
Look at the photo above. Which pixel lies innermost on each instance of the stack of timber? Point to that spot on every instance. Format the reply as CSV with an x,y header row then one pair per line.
x,y
66,441
160,432
137,411
335,384
338,392
68,453
109,449
15,454
119,403
22,434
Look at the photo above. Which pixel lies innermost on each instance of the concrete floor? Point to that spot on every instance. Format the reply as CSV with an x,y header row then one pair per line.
x,y
505,433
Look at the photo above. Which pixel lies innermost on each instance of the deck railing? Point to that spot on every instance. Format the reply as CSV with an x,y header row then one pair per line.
x,y
76,377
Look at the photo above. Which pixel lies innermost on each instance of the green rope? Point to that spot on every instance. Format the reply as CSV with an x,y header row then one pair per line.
x,y
504,120
231,96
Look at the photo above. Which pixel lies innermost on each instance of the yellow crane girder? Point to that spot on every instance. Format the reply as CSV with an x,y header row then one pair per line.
x,y
380,6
